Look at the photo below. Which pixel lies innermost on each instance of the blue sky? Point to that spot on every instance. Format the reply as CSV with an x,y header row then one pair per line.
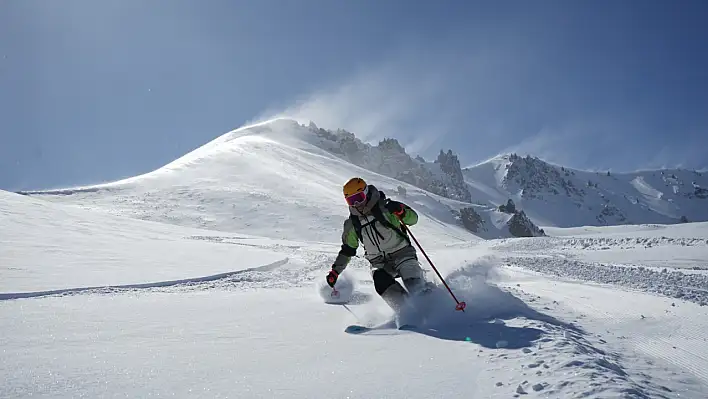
x,y
96,91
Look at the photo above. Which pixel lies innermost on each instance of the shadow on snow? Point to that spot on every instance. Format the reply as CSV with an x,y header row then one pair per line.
x,y
483,322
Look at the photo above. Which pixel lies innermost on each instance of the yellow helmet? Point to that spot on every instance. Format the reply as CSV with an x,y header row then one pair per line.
x,y
355,191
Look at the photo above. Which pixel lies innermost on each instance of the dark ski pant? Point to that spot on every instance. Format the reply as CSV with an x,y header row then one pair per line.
x,y
404,264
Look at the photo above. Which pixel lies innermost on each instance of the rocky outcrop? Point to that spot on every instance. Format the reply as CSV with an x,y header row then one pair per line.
x,y
443,177
535,178
510,207
450,165
471,220
521,226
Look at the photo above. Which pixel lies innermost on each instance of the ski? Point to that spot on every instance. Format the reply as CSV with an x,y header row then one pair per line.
x,y
360,329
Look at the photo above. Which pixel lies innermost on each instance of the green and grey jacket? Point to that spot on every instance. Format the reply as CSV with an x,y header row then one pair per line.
x,y
379,241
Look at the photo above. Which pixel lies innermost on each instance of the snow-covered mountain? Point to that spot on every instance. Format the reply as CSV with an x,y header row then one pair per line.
x,y
296,170
554,195
274,178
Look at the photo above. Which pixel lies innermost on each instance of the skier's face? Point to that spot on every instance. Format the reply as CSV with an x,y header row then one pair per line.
x,y
361,207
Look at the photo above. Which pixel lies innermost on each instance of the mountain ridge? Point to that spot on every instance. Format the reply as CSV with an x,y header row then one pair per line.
x,y
265,180
505,155
532,183
543,194
659,196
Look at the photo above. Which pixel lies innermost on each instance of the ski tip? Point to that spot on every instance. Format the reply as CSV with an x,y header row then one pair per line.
x,y
356,329
407,327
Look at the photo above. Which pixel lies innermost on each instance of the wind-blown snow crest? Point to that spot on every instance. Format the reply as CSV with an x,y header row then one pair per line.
x,y
268,180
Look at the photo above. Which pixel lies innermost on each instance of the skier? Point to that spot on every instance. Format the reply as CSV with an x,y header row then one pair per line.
x,y
375,221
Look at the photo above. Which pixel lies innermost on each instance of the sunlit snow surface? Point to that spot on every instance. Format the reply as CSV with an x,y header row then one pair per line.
x,y
96,304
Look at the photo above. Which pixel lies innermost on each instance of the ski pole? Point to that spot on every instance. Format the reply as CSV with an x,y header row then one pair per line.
x,y
335,293
460,305
350,311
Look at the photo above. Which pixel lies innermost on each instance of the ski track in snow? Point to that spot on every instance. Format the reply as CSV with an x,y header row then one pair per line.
x,y
590,368
674,284
114,289
596,243
544,347
562,257
668,334
299,267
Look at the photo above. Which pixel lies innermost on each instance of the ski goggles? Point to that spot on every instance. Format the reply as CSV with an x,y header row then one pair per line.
x,y
357,198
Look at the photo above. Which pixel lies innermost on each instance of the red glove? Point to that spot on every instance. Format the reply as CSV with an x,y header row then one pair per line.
x,y
400,211
332,278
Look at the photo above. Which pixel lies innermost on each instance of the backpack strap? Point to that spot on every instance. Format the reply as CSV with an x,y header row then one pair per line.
x,y
378,216
357,225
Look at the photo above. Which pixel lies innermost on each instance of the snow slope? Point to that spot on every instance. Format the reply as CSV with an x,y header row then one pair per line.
x,y
663,339
231,335
268,179
557,196
49,247
261,327
280,170
205,278
644,245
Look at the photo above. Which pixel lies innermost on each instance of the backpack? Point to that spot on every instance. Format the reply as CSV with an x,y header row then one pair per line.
x,y
378,216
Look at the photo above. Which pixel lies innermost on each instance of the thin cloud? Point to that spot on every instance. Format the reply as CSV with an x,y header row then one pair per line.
x,y
412,95
378,103
553,145
498,96
429,96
